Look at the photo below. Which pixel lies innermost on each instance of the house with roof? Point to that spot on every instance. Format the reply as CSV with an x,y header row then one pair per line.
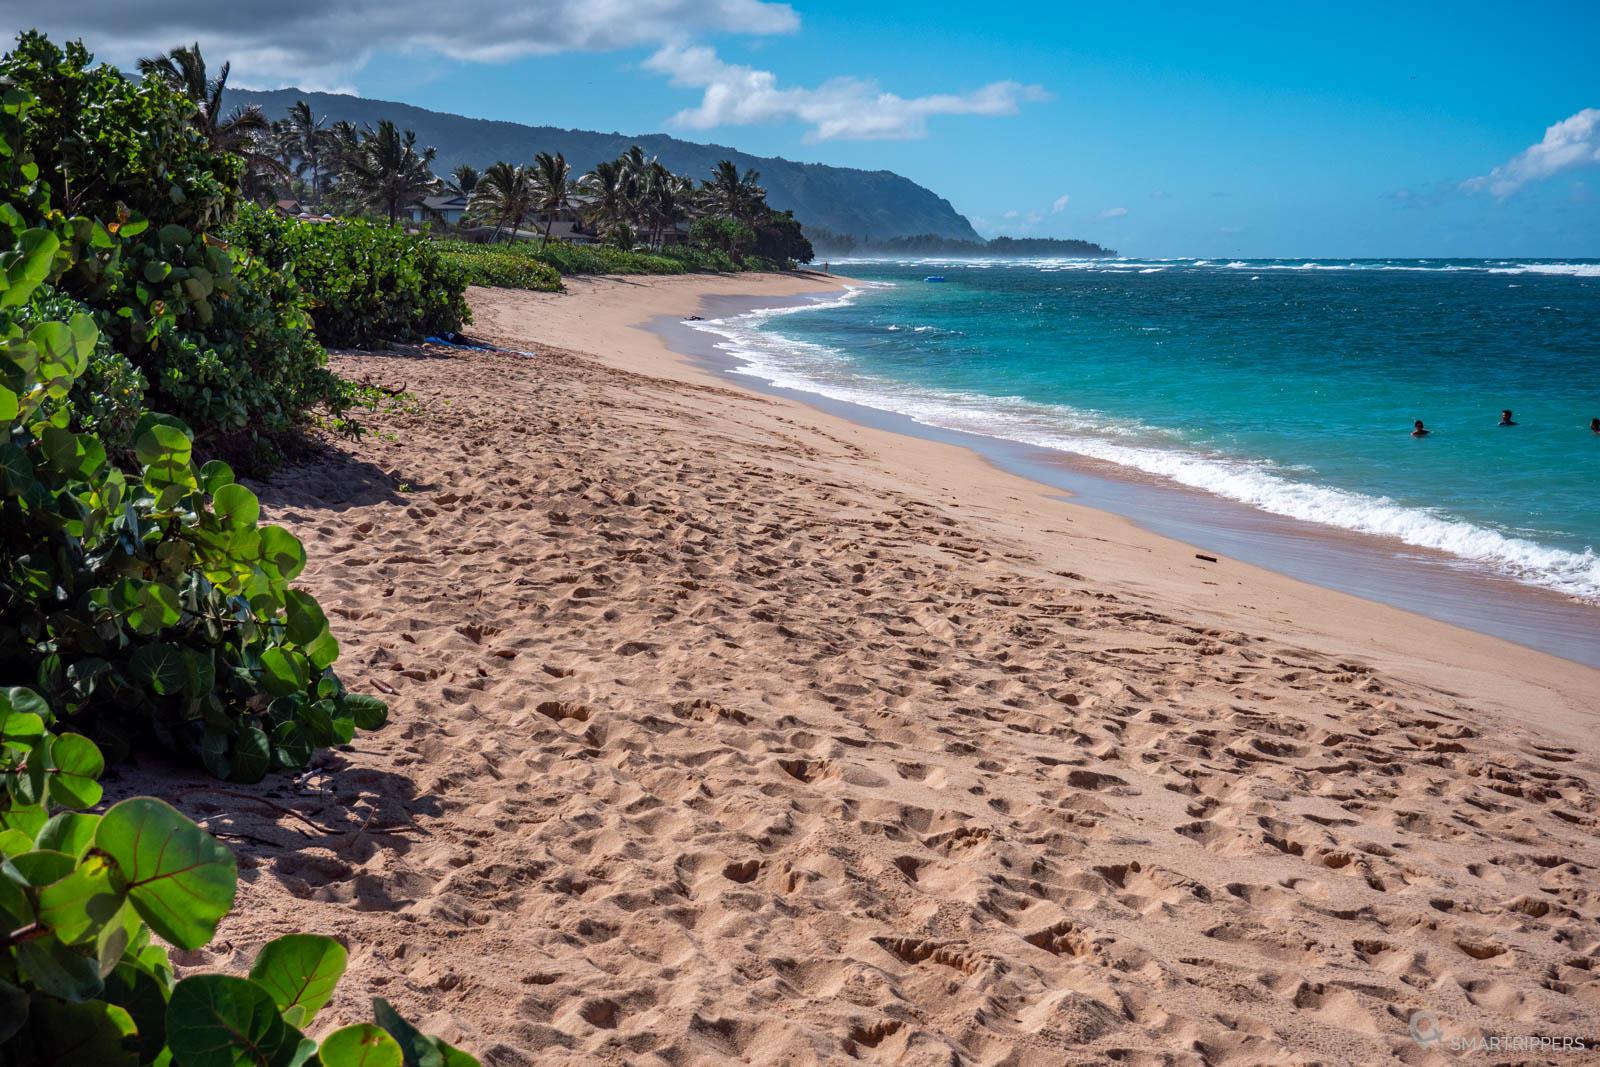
x,y
449,207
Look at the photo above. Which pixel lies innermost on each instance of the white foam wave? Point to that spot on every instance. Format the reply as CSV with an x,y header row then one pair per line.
x,y
1154,266
793,364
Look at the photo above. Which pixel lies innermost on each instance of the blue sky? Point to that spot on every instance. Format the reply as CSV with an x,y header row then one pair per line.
x,y
1181,129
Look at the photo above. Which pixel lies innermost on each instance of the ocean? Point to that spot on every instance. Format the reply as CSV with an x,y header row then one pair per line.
x,y
1289,386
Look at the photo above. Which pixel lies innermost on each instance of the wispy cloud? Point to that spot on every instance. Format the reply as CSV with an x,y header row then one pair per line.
x,y
1060,204
321,42
1113,212
838,109
1572,142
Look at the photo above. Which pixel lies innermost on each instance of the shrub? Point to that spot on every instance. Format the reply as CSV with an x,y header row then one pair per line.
x,y
505,266
149,603
82,980
367,283
157,594
780,239
700,259
727,236
224,341
598,259
108,399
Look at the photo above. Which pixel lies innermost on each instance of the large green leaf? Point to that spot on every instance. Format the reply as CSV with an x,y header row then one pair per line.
x,y
37,250
306,621
75,772
283,551
362,1045
300,971
161,667
214,1020
60,970
284,671
71,832
369,712
252,755
78,906
96,1032
178,877
143,997
236,505
420,1050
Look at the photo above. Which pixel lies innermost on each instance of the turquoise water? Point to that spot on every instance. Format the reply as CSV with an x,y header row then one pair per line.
x,y
1288,385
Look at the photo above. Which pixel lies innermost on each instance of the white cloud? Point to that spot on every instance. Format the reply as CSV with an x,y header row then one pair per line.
x,y
1572,142
323,42
1060,204
841,108
1113,212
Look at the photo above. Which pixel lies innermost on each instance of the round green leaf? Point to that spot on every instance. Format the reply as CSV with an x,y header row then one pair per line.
x,y
69,831
284,671
362,1045
214,1020
300,971
161,667
369,712
252,755
178,877
78,906
75,776
236,505
283,551
94,1032
143,997
306,621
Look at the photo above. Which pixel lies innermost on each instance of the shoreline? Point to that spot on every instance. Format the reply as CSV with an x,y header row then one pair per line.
x,y
1422,581
611,320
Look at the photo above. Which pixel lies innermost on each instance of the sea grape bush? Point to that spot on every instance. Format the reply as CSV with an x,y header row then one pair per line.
x,y
151,602
504,266
569,258
82,979
107,400
367,283
157,594
223,339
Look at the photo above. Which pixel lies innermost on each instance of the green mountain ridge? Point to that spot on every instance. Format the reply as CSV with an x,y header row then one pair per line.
x,y
876,203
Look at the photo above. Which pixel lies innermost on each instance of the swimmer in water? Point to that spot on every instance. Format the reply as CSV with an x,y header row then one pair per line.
x,y
1506,419
1594,425
1419,430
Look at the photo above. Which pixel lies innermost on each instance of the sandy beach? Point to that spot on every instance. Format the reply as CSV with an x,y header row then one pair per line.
x,y
725,730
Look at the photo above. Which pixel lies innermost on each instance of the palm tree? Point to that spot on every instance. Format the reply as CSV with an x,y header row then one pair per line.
x,y
636,179
385,169
306,134
463,180
607,188
667,200
506,194
553,187
738,196
238,133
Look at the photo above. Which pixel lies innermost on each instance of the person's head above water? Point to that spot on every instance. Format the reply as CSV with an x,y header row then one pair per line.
x,y
1505,418
1419,430
1594,425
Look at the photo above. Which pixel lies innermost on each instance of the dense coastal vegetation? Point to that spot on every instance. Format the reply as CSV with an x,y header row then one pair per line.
x,y
843,199
143,605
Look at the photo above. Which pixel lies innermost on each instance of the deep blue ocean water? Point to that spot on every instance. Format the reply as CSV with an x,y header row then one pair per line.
x,y
1288,385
